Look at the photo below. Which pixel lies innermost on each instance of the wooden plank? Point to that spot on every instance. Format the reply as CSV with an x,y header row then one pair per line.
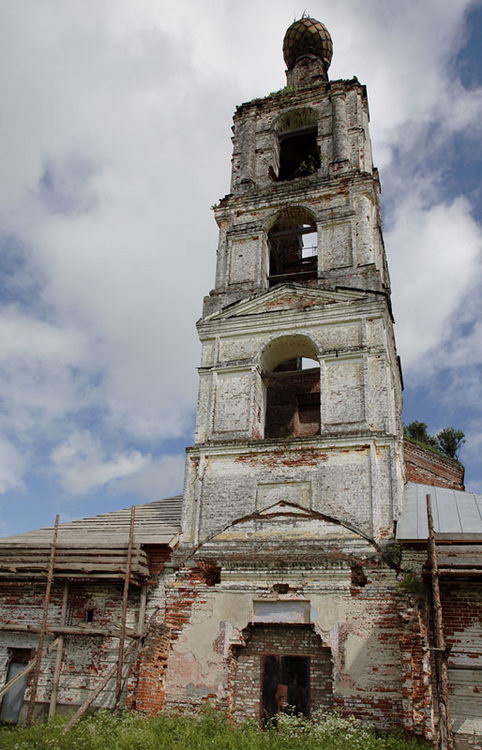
x,y
456,549
445,725
22,627
71,576
97,541
59,654
464,536
83,566
43,626
463,561
21,558
88,565
39,559
125,600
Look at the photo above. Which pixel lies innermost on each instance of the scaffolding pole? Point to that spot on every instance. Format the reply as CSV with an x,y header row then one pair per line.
x,y
43,625
445,724
59,655
125,601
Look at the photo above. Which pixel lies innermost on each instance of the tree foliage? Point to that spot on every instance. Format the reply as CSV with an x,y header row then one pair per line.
x,y
447,441
450,441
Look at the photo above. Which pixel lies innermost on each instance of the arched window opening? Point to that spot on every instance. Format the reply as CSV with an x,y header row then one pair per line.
x,y
299,155
292,389
293,248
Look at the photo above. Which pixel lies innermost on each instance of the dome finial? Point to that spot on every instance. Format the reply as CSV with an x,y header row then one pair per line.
x,y
307,51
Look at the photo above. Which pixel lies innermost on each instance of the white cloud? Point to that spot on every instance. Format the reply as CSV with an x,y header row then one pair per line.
x,y
11,467
81,463
114,141
436,254
161,477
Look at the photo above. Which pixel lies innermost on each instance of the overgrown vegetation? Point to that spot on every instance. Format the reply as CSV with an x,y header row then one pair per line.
x,y
208,730
447,441
412,584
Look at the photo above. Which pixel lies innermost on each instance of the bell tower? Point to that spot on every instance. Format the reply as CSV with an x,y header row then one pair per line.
x,y
300,391
285,591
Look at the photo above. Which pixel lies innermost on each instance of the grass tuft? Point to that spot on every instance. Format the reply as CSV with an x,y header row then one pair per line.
x,y
207,730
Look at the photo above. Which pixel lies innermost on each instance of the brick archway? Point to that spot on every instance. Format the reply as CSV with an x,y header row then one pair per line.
x,y
267,640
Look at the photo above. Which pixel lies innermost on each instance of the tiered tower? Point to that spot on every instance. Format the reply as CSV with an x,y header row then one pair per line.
x,y
299,397
294,483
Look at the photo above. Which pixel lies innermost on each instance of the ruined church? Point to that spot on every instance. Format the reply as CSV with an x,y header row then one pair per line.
x,y
304,565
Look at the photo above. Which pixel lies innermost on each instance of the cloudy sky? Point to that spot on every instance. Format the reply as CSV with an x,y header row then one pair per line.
x,y
115,142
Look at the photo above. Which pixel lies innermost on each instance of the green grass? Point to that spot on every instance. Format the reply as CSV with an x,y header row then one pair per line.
x,y
207,730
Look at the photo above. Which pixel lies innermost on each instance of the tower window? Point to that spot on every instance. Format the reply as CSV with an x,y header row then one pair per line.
x,y
299,154
293,399
293,246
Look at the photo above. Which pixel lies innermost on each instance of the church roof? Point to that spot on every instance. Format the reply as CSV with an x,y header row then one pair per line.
x,y
95,547
457,515
158,522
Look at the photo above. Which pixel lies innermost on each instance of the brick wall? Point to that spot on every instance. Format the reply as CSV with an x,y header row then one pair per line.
x,y
147,686
157,555
285,640
417,666
426,467
86,658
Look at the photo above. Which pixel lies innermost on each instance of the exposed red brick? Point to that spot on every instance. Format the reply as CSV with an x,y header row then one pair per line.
x,y
426,467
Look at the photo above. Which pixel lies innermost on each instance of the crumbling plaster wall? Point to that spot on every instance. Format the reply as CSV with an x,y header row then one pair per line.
x,y
348,228
235,484
257,124
346,212
358,388
359,625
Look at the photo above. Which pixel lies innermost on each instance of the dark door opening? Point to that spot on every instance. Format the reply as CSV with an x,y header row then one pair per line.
x,y
286,681
13,699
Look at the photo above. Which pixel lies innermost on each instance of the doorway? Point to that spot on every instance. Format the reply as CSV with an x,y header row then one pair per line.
x,y
286,681
281,664
13,699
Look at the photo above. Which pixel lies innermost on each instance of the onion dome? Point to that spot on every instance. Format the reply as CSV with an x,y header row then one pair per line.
x,y
307,37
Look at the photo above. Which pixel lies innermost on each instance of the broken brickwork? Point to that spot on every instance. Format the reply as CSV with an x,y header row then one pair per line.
x,y
86,658
146,691
417,667
265,640
286,579
427,467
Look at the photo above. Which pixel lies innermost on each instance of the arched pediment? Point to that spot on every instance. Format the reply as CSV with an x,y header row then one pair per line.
x,y
286,521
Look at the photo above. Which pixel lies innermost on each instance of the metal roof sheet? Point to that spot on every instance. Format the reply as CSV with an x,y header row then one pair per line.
x,y
158,522
456,514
